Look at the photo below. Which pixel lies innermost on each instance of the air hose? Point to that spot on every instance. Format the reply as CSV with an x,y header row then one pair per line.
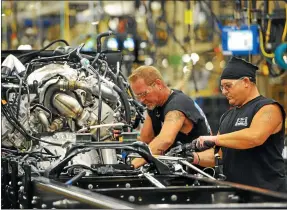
x,y
279,53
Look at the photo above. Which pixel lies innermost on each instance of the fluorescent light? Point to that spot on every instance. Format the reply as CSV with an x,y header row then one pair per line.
x,y
95,23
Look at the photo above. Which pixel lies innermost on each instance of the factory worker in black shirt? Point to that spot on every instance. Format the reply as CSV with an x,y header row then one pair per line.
x,y
172,117
251,134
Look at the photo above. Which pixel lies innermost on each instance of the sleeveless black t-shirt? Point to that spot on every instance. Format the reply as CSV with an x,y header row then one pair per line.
x,y
261,166
181,102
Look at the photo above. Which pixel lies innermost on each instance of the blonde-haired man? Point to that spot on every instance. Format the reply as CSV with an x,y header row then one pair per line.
x,y
172,116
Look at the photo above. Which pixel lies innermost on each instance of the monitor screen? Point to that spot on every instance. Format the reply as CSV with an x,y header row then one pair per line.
x,y
240,41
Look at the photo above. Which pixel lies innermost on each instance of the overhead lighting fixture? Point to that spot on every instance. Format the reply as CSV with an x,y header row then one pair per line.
x,y
113,23
155,6
143,45
186,58
95,23
148,61
165,63
194,57
119,8
32,6
209,66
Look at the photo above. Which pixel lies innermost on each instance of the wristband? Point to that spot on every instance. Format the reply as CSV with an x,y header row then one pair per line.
x,y
196,158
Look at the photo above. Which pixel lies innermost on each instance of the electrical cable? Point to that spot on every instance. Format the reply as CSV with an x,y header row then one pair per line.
x,y
119,81
268,30
211,169
261,43
19,96
44,48
99,107
13,121
76,178
124,96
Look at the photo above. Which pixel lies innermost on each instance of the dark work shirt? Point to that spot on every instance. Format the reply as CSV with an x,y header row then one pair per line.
x,y
181,102
261,166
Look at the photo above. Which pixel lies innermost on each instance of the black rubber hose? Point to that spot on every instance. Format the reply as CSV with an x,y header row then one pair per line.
x,y
44,48
5,112
20,127
59,166
76,178
139,107
129,87
99,108
19,96
124,98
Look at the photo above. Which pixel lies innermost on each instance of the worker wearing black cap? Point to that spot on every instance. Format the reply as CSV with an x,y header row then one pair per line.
x,y
251,134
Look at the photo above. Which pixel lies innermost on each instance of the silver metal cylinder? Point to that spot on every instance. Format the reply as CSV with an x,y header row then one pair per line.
x,y
109,156
67,105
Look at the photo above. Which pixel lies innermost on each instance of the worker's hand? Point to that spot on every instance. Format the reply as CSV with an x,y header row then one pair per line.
x,y
204,142
138,162
192,157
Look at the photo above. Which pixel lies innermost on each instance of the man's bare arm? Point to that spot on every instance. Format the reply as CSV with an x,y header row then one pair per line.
x,y
268,120
147,133
173,122
207,157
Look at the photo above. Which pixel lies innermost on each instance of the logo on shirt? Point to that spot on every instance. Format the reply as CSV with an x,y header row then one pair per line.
x,y
241,121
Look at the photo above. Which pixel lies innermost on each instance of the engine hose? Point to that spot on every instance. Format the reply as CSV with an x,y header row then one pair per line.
x,y
19,95
35,53
99,108
20,127
76,178
279,53
123,76
110,72
273,72
124,98
131,93
14,101
12,122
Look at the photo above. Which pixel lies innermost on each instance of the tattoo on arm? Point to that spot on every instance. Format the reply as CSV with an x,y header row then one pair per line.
x,y
173,116
267,115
